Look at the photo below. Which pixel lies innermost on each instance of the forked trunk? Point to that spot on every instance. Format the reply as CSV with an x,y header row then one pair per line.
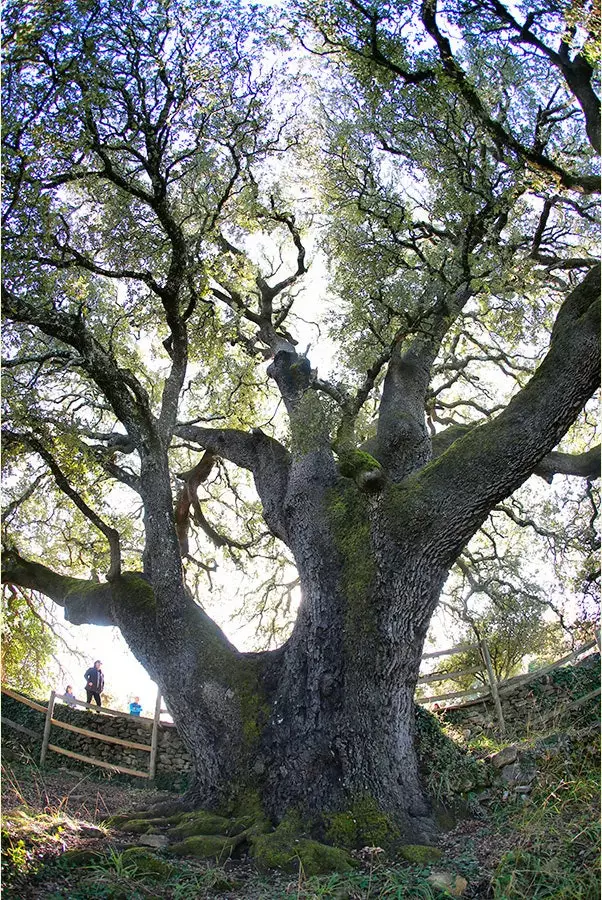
x,y
327,720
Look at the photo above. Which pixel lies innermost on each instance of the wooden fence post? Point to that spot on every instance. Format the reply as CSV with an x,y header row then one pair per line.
x,y
152,766
47,724
493,684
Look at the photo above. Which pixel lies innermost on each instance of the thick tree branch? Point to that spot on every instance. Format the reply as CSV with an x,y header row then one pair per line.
x,y
265,458
493,460
189,497
581,465
403,442
85,602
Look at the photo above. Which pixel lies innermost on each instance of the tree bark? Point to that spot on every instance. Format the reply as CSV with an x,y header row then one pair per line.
x,y
342,726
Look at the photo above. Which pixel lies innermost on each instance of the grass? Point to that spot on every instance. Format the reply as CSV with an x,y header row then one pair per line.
x,y
557,830
380,882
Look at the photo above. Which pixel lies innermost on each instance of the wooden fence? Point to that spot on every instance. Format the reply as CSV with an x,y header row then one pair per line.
x,y
497,689
50,721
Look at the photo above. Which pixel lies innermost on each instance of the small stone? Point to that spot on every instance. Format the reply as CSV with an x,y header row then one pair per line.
x,y
511,774
158,841
92,831
504,757
446,881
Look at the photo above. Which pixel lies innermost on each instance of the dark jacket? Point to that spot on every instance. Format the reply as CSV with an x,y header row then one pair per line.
x,y
95,680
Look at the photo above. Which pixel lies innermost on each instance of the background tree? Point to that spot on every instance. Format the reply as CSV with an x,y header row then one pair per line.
x,y
463,299
26,636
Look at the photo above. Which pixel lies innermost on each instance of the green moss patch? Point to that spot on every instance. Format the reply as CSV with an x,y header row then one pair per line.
x,y
289,848
363,825
135,592
353,463
420,854
271,851
147,863
245,680
205,846
139,826
350,523
207,823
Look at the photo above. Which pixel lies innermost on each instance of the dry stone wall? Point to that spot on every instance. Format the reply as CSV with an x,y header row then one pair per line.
x,y
172,757
541,701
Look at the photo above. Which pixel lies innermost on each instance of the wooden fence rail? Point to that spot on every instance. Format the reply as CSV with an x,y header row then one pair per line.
x,y
450,676
50,721
496,689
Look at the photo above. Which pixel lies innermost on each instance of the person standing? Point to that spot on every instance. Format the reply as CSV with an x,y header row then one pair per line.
x,y
69,696
95,682
135,708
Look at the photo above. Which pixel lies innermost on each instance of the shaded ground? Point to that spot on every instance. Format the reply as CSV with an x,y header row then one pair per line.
x,y
540,847
66,810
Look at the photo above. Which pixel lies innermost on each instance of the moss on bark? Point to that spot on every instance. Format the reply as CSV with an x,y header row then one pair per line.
x,y
205,846
362,825
289,848
348,516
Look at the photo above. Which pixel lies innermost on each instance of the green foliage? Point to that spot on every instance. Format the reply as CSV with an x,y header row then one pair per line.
x,y
27,835
27,642
447,771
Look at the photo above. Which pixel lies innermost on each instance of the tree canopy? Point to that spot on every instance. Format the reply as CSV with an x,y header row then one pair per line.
x,y
132,137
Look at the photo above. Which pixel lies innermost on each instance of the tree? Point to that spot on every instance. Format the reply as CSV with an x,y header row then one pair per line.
x,y
141,193
25,635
